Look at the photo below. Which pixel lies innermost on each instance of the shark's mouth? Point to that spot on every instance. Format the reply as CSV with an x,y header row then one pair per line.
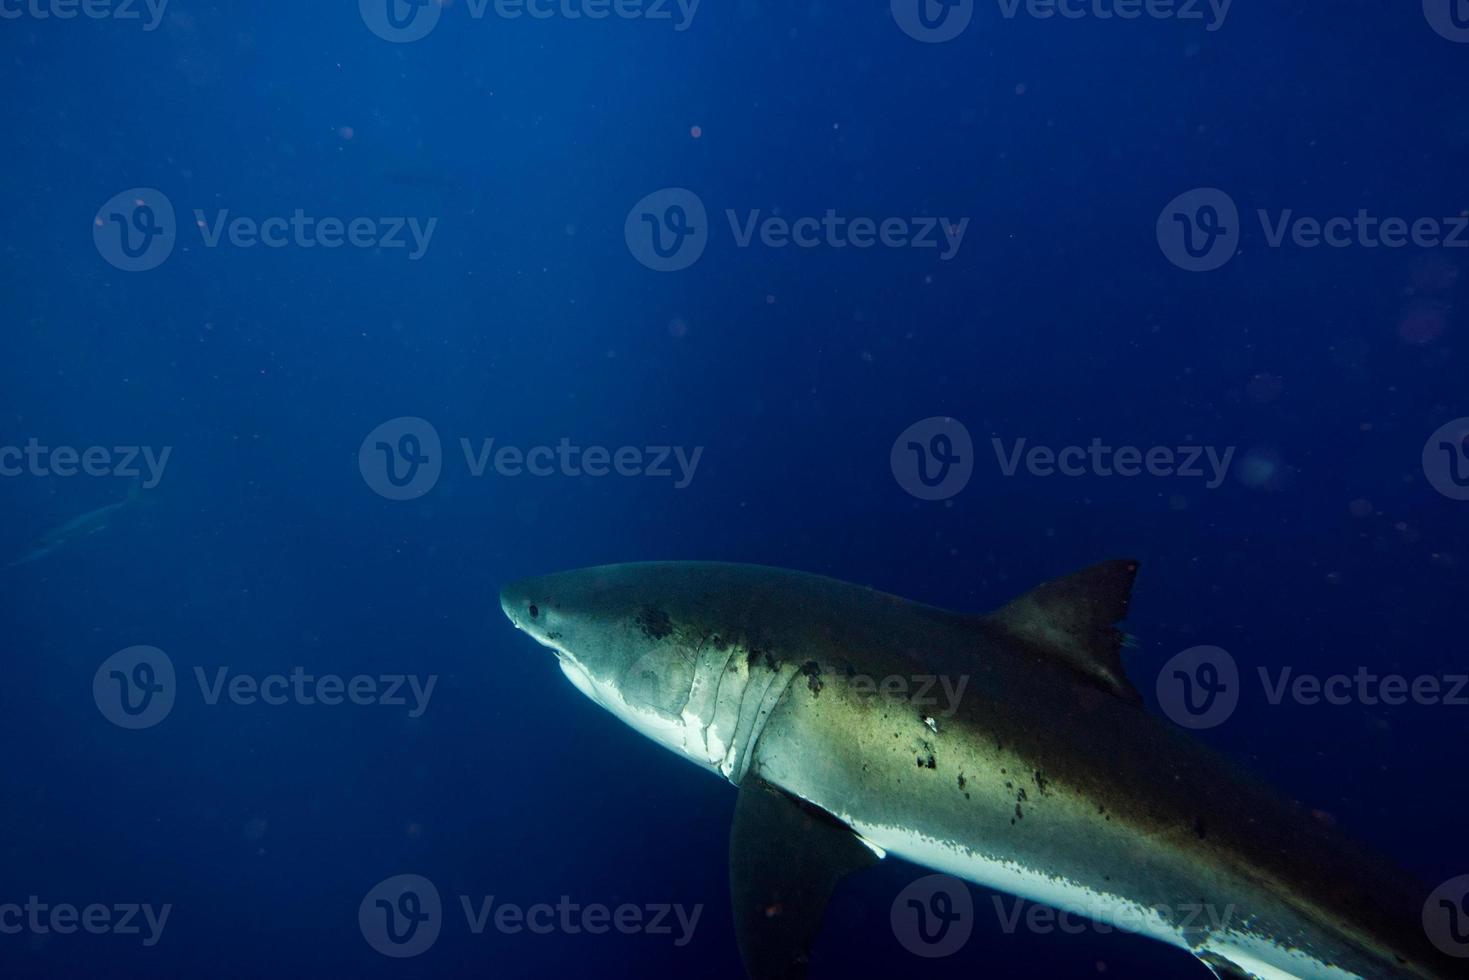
x,y
577,676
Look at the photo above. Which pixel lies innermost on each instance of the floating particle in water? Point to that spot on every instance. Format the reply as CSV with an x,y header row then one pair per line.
x,y
1261,469
1434,273
696,131
1350,352
1422,325
1360,508
1264,388
677,327
346,132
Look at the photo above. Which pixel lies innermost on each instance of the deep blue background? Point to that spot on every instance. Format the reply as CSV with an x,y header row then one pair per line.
x,y
528,321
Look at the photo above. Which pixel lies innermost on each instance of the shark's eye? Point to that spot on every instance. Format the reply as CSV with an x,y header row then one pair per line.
x,y
534,612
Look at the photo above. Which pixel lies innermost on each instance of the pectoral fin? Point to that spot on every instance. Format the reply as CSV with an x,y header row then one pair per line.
x,y
785,860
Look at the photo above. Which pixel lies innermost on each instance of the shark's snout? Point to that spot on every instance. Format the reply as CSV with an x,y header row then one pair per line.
x,y
514,602
529,605
525,607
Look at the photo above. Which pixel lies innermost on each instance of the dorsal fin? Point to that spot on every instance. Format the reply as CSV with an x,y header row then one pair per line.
x,y
1073,619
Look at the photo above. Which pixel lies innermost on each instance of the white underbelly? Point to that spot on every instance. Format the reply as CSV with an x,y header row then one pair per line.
x,y
1255,954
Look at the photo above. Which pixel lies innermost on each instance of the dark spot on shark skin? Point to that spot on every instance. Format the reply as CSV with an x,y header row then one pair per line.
x,y
554,635
961,781
812,671
1042,783
758,651
654,623
1022,797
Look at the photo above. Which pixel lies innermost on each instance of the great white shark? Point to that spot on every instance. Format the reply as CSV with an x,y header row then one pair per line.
x,y
1046,778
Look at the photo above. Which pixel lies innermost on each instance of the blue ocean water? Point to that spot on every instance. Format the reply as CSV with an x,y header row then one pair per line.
x,y
290,263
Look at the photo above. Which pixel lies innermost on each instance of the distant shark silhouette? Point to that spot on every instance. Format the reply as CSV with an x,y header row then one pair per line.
x,y
452,188
78,527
